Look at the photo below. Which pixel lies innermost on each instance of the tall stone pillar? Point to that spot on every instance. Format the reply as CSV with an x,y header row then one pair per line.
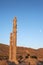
x,y
13,42
14,39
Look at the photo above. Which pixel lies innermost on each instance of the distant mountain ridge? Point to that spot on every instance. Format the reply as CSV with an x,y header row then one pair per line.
x,y
4,51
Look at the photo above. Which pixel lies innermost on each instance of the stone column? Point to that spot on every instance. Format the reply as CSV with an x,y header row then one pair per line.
x,y
13,42
10,48
14,39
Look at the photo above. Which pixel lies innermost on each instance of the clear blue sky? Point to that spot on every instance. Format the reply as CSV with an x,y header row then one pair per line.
x,y
29,15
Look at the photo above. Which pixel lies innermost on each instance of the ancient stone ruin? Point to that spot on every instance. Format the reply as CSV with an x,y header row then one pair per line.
x,y
13,42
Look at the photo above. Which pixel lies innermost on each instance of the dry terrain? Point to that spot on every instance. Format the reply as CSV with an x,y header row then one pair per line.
x,y
27,55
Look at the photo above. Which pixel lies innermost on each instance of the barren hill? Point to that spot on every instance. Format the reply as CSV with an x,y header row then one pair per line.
x,y
4,51
23,54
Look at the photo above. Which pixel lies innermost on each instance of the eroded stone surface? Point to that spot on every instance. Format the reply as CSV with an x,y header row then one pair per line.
x,y
13,42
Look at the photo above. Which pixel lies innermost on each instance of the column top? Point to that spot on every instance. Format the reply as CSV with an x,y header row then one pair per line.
x,y
15,19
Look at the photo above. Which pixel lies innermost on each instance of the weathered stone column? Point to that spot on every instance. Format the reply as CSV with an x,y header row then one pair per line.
x,y
10,48
13,42
14,39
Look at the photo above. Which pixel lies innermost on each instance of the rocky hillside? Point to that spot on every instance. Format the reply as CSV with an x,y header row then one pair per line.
x,y
4,51
28,55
